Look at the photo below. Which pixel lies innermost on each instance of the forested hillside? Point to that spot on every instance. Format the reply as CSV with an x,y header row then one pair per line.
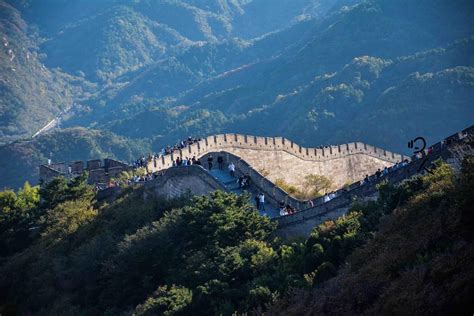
x,y
419,262
66,253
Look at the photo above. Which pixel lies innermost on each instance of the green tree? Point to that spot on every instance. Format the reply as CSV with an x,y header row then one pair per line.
x,y
317,185
166,300
28,197
8,202
17,215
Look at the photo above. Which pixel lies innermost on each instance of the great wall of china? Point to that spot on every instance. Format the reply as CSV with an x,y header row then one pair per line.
x,y
282,158
250,154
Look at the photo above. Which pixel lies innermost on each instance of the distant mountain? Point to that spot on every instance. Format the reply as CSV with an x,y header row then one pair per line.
x,y
384,29
19,160
30,94
131,35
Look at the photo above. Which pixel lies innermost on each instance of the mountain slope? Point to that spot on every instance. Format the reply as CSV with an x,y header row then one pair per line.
x,y
373,28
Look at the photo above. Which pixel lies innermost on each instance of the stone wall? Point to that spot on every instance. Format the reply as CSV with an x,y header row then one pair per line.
x,y
98,172
176,181
284,159
46,173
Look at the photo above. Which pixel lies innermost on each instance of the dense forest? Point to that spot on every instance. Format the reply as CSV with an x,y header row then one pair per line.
x,y
65,252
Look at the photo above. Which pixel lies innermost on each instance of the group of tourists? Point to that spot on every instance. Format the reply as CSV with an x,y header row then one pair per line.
x,y
220,162
143,160
244,181
285,208
140,162
386,170
136,179
329,196
179,145
186,161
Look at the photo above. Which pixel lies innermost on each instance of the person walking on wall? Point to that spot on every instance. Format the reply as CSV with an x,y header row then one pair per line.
x,y
282,208
209,162
261,198
246,181
231,168
378,174
326,198
257,201
220,162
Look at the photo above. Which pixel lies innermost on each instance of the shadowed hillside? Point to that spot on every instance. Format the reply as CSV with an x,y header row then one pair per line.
x,y
420,258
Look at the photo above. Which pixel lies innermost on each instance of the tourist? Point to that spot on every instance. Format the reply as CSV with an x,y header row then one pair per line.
x,y
332,195
282,208
326,198
220,162
378,174
385,171
257,201
311,203
231,168
209,162
290,209
240,181
366,179
247,180
261,197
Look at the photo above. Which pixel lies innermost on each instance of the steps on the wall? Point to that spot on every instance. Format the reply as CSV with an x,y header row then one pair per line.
x,y
231,184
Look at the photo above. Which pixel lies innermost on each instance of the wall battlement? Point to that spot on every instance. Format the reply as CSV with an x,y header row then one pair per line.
x,y
281,158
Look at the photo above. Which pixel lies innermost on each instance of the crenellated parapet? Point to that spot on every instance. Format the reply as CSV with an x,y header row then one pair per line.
x,y
233,142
